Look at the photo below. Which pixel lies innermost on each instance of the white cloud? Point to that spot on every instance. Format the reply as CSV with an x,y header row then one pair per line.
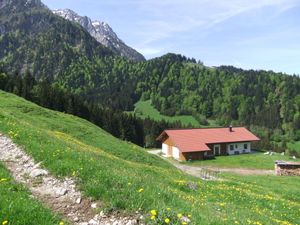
x,y
149,51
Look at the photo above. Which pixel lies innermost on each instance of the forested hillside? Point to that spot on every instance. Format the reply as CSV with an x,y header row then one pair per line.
x,y
262,98
54,49
61,53
120,124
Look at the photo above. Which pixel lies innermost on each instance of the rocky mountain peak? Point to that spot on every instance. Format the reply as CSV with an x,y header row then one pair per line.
x,y
15,5
102,32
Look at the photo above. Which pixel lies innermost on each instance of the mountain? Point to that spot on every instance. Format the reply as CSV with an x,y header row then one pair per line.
x,y
64,53
103,33
13,6
34,39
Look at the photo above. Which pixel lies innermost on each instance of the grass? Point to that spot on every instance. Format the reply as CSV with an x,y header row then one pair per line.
x,y
294,146
144,109
249,161
17,208
126,178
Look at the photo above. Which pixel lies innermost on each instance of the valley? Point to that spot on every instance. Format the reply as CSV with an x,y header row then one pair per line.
x,y
85,109
126,178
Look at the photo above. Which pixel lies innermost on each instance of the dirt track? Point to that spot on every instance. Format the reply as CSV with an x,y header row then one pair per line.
x,y
62,196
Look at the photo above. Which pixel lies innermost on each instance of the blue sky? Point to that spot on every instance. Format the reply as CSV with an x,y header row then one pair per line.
x,y
250,34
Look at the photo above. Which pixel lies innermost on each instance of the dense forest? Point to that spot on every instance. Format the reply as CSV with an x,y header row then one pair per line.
x,y
120,124
176,85
64,56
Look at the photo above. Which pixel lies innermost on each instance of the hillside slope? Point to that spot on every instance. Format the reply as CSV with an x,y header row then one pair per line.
x,y
51,48
125,177
55,49
18,207
103,33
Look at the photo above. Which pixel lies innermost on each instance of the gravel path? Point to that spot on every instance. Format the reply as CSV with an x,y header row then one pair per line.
x,y
211,172
242,171
199,172
61,196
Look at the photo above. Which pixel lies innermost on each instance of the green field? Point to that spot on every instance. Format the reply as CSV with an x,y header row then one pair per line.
x,y
144,109
249,161
125,177
17,208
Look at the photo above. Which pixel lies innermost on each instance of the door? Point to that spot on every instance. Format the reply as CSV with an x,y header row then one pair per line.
x,y
217,150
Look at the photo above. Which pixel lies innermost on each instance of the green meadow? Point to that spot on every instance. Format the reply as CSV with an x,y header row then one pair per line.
x,y
144,109
126,178
249,161
17,207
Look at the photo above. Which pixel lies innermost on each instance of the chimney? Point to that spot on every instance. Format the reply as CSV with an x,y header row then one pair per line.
x,y
230,128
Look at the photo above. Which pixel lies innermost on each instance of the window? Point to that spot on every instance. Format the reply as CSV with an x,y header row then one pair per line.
x,y
245,146
231,147
236,146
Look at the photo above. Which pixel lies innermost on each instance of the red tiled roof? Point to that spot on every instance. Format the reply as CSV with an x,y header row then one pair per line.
x,y
194,140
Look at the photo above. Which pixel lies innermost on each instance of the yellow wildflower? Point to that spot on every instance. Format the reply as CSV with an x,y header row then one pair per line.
x,y
141,190
61,223
152,217
184,223
3,180
4,222
153,212
167,220
189,216
179,215
168,209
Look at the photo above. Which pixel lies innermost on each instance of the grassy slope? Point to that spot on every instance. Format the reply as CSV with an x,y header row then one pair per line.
x,y
251,161
17,207
113,171
144,109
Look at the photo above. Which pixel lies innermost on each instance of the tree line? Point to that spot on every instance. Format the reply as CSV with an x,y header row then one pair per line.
x,y
264,101
125,126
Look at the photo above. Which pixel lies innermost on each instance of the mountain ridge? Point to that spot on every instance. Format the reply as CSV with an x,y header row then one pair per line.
x,y
16,5
102,32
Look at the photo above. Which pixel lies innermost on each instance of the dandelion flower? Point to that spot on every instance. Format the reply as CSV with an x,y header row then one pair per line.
x,y
141,190
152,217
153,212
168,209
4,222
61,223
189,216
167,220
179,215
184,223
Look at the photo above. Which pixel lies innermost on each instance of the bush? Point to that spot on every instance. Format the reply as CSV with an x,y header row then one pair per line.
x,y
200,118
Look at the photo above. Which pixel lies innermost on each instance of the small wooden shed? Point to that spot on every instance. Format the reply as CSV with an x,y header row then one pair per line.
x,y
287,168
